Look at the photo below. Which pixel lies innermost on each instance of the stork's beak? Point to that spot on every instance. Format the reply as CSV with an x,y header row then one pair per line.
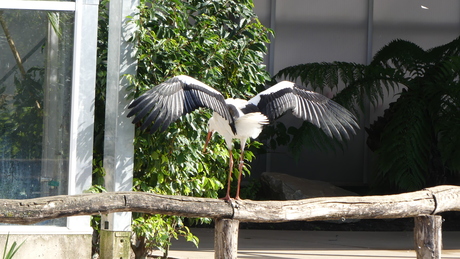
x,y
208,137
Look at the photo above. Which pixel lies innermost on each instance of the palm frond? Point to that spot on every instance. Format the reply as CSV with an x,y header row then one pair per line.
x,y
356,81
400,54
445,51
403,156
447,115
322,75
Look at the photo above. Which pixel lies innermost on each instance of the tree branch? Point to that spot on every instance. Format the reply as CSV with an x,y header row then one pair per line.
x,y
15,52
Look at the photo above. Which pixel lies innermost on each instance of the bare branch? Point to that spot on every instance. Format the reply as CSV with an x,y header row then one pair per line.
x,y
15,52
425,202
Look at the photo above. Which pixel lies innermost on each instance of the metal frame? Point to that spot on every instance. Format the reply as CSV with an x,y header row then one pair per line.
x,y
82,113
39,5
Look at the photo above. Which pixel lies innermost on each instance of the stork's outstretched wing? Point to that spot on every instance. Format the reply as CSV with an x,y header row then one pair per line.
x,y
177,96
326,114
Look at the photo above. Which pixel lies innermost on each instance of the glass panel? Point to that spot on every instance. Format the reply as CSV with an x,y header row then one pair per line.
x,y
35,88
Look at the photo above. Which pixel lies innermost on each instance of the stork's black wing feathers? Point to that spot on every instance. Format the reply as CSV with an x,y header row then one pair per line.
x,y
275,104
165,103
332,118
141,109
250,108
313,107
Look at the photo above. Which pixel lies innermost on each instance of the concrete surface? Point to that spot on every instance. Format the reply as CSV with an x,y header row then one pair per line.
x,y
274,244
49,246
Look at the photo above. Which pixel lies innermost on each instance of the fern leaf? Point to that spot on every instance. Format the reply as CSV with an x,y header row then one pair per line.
x,y
404,151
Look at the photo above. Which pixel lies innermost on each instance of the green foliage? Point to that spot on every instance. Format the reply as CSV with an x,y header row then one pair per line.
x,y
21,116
415,141
405,144
101,80
99,117
9,253
449,113
156,231
221,43
96,221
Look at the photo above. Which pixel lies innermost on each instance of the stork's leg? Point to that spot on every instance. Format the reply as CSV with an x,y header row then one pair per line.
x,y
230,162
240,169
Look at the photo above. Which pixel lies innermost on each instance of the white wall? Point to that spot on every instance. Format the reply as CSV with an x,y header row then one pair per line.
x,y
50,245
410,20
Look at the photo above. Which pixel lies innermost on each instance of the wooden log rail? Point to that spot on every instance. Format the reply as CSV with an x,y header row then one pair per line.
x,y
429,201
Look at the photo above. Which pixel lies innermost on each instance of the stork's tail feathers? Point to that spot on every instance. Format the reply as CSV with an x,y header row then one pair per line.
x,y
252,123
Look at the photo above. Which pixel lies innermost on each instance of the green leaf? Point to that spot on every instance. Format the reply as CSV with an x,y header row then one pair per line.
x,y
8,253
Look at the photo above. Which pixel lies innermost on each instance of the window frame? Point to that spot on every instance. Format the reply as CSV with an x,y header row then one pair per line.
x,y
82,105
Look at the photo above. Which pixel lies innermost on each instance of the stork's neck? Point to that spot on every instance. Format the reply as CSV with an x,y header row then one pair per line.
x,y
234,111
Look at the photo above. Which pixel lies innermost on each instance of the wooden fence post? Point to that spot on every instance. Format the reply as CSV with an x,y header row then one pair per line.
x,y
226,238
428,236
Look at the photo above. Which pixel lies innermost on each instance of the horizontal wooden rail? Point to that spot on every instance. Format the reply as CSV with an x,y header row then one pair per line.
x,y
429,201
422,205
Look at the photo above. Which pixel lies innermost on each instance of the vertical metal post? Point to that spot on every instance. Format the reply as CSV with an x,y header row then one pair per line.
x,y
271,66
367,104
370,30
119,131
52,138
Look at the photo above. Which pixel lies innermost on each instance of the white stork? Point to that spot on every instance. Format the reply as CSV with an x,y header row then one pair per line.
x,y
237,118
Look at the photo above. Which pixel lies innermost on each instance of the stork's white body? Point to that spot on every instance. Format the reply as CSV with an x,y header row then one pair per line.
x,y
247,125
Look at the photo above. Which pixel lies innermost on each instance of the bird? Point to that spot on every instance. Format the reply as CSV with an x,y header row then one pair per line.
x,y
237,118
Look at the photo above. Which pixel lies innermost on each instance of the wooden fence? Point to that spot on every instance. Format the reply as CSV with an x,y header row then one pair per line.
x,y
422,205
